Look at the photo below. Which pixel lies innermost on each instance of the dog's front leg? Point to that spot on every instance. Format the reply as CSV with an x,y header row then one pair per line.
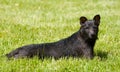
x,y
88,53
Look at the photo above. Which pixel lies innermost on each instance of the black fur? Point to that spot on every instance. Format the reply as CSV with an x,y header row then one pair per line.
x,y
80,44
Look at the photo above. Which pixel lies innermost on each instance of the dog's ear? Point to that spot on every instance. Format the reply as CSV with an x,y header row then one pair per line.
x,y
97,19
83,20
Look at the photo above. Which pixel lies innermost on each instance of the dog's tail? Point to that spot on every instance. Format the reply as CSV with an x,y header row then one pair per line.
x,y
12,54
8,55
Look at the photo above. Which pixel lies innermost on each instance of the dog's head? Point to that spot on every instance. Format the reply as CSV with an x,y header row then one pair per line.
x,y
89,28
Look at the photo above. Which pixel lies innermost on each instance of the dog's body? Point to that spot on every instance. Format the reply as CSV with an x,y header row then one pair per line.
x,y
80,44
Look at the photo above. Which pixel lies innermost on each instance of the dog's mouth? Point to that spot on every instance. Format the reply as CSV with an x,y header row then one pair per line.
x,y
93,36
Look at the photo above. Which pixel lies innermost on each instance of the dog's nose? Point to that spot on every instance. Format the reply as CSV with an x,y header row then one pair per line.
x,y
93,35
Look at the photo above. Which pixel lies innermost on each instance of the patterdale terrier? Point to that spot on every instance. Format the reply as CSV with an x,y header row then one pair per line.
x,y
79,44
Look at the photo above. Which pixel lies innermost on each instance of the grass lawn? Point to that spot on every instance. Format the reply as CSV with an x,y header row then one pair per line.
x,y
25,22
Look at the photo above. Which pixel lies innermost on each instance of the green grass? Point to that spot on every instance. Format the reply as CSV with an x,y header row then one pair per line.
x,y
36,21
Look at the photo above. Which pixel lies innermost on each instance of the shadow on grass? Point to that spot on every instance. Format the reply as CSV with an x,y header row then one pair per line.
x,y
102,55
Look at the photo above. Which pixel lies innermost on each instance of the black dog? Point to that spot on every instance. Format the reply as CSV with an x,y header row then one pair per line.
x,y
80,44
